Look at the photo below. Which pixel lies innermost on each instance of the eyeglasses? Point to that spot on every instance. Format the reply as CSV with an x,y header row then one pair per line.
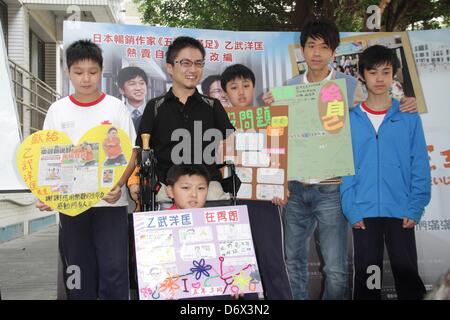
x,y
186,63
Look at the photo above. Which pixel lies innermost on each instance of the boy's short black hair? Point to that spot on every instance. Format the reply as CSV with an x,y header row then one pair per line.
x,y
320,29
206,84
179,44
179,170
112,129
236,71
83,50
375,56
129,73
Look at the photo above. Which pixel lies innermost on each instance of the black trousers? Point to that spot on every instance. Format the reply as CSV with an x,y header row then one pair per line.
x,y
96,242
267,233
368,246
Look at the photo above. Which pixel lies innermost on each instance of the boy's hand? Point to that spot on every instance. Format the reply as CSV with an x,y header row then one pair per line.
x,y
280,202
359,225
42,206
408,104
237,296
408,223
268,98
134,192
114,195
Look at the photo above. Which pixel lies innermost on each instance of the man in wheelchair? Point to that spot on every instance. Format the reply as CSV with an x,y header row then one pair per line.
x,y
186,127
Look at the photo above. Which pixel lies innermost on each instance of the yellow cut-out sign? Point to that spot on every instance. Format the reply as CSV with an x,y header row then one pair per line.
x,y
72,178
335,108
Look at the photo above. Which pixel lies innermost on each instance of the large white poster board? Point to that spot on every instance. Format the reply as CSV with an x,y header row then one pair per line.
x,y
9,127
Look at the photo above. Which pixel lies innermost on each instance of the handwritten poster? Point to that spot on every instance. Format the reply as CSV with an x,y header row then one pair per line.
x,y
259,151
319,130
72,178
195,253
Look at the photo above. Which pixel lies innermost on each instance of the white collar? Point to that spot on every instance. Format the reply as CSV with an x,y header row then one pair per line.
x,y
328,78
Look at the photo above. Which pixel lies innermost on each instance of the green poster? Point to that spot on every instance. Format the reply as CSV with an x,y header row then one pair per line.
x,y
319,139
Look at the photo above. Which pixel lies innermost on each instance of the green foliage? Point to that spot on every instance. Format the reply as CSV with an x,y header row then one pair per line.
x,y
285,15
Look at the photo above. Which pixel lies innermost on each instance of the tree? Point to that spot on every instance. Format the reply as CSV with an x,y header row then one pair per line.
x,y
285,15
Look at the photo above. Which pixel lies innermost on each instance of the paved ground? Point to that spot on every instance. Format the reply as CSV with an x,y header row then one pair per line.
x,y
28,266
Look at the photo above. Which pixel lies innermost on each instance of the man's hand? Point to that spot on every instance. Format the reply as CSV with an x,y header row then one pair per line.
x,y
42,206
408,223
408,104
268,98
359,225
134,192
114,195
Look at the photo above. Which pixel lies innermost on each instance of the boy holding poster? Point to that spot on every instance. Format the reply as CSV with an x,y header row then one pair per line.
x,y
238,81
96,241
187,186
386,197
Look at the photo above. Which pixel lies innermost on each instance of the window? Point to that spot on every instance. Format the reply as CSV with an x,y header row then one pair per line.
x,y
37,56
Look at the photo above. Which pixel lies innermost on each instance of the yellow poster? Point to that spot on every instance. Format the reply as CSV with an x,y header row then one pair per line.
x,y
72,178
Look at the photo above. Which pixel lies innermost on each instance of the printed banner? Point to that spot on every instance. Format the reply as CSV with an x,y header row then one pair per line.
x,y
195,253
72,178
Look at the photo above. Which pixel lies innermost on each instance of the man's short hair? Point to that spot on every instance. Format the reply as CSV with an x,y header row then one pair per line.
x,y
83,50
206,84
236,71
179,44
129,73
320,29
375,56
179,170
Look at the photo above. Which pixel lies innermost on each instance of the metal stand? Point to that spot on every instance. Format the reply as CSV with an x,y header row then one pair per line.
x,y
147,180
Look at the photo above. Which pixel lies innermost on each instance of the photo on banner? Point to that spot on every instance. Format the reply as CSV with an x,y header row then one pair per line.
x,y
406,81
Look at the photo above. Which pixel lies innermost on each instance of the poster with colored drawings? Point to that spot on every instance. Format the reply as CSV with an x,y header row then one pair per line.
x,y
259,151
319,130
68,177
192,253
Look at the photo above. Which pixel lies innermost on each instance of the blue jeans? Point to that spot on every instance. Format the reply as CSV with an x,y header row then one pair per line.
x,y
308,206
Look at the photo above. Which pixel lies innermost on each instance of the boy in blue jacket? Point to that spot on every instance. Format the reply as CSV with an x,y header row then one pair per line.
x,y
386,197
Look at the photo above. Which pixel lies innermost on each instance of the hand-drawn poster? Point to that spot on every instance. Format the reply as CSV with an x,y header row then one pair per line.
x,y
319,137
193,253
259,151
72,178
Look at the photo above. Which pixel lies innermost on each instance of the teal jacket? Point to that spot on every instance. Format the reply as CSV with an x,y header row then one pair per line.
x,y
392,171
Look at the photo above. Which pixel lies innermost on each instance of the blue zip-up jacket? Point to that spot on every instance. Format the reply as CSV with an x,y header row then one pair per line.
x,y
392,172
